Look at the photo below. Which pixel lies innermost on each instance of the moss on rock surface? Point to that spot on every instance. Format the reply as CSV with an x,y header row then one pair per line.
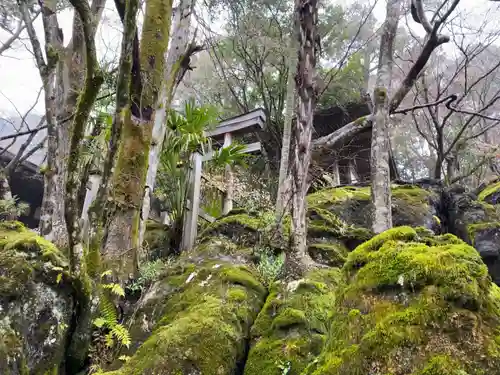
x,y
35,302
195,320
491,193
344,212
292,327
413,307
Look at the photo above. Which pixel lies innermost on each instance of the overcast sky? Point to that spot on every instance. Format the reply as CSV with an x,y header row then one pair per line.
x,y
20,80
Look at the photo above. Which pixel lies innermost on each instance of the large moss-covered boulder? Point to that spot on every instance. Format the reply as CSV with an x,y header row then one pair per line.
x,y
413,305
344,213
196,319
36,304
293,326
474,219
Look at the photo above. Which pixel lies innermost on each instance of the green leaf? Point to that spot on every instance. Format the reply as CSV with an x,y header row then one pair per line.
x,y
116,289
106,273
100,322
121,334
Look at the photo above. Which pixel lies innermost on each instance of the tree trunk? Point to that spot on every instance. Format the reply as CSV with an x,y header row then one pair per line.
x,y
380,168
282,198
129,177
180,39
438,168
47,70
307,16
69,82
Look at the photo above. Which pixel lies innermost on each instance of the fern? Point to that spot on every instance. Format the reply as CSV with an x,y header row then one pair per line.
x,y
116,289
108,318
121,334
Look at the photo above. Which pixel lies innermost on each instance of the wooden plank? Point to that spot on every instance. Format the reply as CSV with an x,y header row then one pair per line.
x,y
256,113
336,173
252,147
191,218
353,173
201,213
236,126
229,178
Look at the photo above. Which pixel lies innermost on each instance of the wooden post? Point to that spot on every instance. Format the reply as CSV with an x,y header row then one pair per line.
x,y
353,174
228,198
336,173
193,204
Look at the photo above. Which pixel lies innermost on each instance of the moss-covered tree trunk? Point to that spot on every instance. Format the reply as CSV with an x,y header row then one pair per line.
x,y
129,176
380,169
307,17
180,39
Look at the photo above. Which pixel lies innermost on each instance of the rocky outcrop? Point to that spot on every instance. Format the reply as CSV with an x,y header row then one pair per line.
x,y
403,303
414,300
477,221
36,304
196,319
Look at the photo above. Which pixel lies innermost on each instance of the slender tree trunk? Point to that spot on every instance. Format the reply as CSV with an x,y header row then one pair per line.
x,y
380,150
282,199
93,81
180,39
307,16
47,70
129,177
438,168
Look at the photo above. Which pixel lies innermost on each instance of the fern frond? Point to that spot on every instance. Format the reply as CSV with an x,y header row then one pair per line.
x,y
110,342
106,273
116,289
108,309
121,334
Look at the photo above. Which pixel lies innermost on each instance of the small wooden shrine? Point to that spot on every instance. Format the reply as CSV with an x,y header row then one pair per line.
x,y
224,134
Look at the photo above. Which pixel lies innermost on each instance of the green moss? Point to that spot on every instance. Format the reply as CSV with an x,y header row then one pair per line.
x,y
288,318
489,190
237,294
473,229
242,276
23,256
413,265
291,328
214,247
442,365
409,301
380,95
203,324
246,221
333,254
400,233
337,195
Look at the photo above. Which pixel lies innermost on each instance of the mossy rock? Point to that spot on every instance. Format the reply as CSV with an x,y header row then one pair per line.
x,y
292,327
195,320
413,306
345,212
223,248
36,304
241,228
332,253
490,194
478,223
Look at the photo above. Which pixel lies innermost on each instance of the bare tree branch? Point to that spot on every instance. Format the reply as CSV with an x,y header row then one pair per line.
x,y
15,35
